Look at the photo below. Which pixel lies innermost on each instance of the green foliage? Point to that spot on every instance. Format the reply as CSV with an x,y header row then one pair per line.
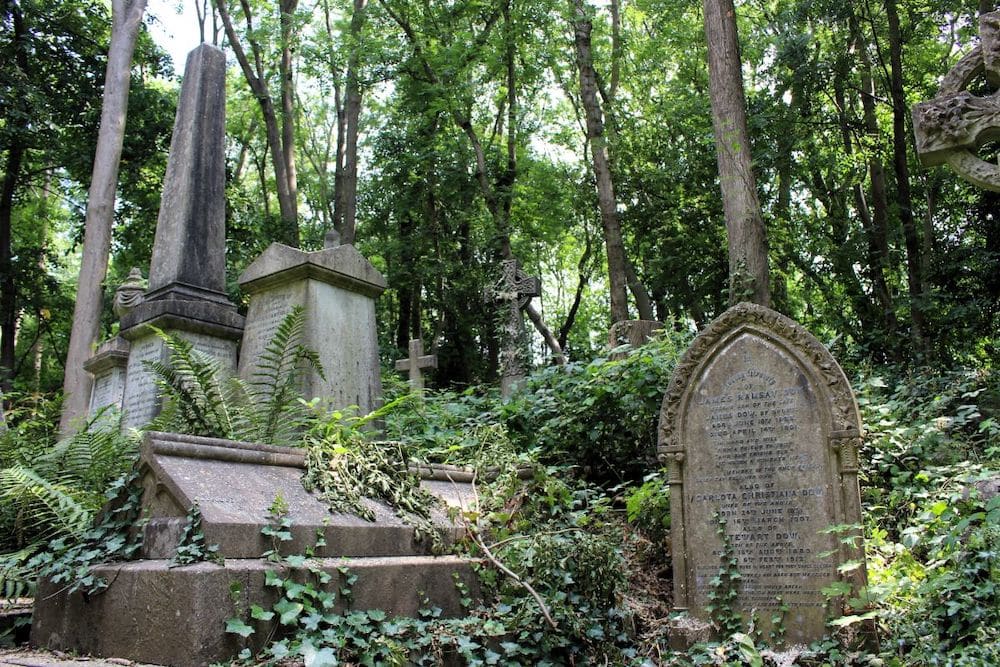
x,y
201,399
346,466
648,507
51,491
725,585
600,417
116,535
191,547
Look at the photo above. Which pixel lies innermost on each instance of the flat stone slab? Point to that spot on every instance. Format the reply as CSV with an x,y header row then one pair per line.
x,y
235,484
153,613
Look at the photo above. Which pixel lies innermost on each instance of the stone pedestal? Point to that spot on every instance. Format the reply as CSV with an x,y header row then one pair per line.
x,y
337,287
211,328
108,368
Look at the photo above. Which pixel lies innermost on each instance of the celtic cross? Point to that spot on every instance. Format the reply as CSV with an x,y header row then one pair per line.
x,y
949,128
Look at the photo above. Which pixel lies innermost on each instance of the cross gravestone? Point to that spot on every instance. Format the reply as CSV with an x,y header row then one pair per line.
x,y
415,363
337,287
949,128
759,432
512,291
187,275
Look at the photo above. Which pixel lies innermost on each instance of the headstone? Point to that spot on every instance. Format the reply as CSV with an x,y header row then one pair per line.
x,y
337,287
187,274
759,431
108,368
414,364
512,292
631,332
954,124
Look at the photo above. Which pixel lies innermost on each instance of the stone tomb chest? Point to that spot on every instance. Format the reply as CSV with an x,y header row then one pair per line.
x,y
759,432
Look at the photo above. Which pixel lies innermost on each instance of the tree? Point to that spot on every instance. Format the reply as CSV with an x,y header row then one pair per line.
x,y
614,246
748,262
126,19
280,132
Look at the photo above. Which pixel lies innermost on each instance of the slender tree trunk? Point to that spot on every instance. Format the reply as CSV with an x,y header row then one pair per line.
x,y
749,277
617,272
126,19
874,216
904,198
281,155
285,69
352,106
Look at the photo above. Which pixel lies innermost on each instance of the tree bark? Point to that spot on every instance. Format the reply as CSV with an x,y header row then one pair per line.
x,y
617,274
749,278
352,107
874,217
904,198
281,155
126,19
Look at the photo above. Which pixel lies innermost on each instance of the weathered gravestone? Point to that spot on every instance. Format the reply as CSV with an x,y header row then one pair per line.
x,y
108,365
951,127
337,287
156,612
759,432
414,364
512,292
187,274
631,332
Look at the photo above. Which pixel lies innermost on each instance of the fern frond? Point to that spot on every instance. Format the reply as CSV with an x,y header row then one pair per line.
x,y
92,458
274,388
192,383
42,503
17,579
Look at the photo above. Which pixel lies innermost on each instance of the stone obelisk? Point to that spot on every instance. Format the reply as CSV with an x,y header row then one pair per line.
x,y
187,275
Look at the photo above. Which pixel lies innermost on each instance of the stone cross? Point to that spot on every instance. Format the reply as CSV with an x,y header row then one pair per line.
x,y
949,128
414,363
513,290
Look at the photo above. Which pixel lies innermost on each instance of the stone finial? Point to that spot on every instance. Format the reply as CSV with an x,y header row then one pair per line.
x,y
949,128
130,293
332,239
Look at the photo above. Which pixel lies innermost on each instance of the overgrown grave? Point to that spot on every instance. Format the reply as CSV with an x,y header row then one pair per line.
x,y
221,518
759,432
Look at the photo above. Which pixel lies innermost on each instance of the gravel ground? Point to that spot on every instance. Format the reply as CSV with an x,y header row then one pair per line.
x,y
25,657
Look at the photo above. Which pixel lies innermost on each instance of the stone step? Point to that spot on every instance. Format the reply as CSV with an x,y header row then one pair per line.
x,y
154,613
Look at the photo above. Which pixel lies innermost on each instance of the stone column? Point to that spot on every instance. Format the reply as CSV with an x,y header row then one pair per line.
x,y
187,275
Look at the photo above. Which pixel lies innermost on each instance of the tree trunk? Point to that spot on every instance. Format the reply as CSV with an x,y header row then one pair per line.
x,y
352,106
874,217
281,155
289,216
914,260
126,19
749,278
617,273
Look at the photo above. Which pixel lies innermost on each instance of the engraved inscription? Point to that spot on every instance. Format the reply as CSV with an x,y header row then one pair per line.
x,y
141,401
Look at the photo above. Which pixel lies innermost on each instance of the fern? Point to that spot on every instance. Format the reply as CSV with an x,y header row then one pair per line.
x,y
40,507
278,416
197,399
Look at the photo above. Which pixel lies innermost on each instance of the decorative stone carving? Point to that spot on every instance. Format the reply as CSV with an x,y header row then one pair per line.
x,y
949,128
513,291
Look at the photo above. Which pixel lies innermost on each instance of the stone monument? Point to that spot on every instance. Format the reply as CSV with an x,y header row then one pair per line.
x,y
954,124
414,364
337,287
759,432
187,275
109,362
631,332
512,292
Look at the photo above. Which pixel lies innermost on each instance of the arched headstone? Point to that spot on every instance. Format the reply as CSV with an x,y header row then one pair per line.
x,y
759,431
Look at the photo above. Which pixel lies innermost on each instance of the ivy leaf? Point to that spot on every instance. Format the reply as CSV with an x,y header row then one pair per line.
x,y
236,626
258,613
289,611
